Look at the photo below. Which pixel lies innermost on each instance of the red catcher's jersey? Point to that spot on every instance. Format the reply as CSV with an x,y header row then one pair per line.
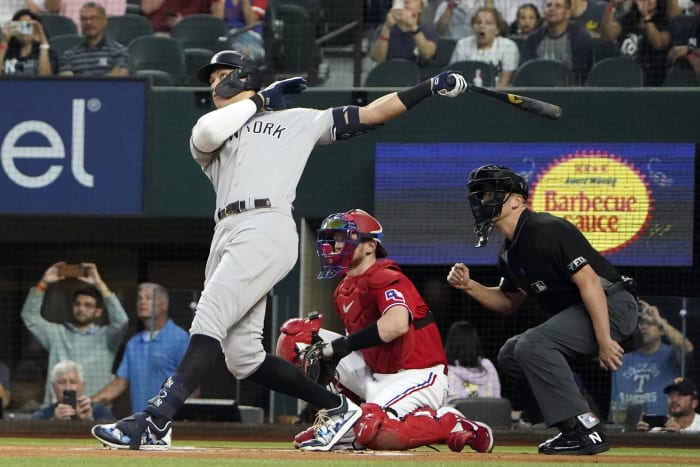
x,y
362,300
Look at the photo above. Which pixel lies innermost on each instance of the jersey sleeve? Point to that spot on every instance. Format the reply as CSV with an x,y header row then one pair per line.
x,y
392,295
569,253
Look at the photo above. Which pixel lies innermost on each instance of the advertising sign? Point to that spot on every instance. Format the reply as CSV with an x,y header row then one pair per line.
x,y
633,201
72,146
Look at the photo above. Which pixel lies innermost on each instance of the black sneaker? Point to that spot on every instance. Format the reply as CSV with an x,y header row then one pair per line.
x,y
575,443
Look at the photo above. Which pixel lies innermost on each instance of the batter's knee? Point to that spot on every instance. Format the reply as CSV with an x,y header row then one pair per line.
x,y
245,363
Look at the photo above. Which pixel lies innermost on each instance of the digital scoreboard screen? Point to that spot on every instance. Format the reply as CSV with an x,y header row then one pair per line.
x,y
633,201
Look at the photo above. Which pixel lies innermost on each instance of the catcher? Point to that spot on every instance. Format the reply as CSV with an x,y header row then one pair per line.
x,y
392,357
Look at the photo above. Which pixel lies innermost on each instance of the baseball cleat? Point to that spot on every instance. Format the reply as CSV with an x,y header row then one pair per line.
x,y
135,432
332,425
575,443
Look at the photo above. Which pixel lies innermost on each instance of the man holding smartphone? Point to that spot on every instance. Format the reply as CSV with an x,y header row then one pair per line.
x,y
81,338
68,385
682,405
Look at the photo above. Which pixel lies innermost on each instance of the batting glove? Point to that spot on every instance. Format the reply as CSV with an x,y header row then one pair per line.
x,y
273,95
449,83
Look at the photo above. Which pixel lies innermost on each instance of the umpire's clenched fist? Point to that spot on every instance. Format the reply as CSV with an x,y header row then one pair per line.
x,y
458,277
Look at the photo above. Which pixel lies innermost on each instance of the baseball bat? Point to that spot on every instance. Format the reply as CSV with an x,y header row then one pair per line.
x,y
528,104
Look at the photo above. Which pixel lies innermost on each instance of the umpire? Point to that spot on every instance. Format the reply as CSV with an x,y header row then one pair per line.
x,y
547,258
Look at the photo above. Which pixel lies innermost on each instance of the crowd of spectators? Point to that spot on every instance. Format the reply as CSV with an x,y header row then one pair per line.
x,y
655,33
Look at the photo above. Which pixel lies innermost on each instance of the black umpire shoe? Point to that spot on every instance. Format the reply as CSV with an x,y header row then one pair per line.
x,y
576,442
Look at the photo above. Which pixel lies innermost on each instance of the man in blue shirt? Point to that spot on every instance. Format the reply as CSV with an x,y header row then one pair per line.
x,y
647,371
151,355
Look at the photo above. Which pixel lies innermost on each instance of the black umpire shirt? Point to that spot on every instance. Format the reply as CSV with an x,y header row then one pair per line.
x,y
543,255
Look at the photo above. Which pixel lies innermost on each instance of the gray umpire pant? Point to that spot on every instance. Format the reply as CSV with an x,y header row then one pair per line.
x,y
540,354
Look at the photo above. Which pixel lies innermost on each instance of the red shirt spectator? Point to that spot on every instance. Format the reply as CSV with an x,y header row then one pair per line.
x,y
163,14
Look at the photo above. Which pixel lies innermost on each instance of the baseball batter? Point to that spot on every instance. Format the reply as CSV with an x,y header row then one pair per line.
x,y
254,157
392,357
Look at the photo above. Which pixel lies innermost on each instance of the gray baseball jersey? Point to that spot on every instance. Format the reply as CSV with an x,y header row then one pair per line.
x,y
253,250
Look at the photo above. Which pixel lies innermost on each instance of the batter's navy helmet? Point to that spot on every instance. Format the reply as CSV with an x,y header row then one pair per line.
x,y
243,67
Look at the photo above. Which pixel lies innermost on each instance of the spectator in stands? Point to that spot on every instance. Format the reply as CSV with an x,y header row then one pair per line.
x,y
685,39
487,45
682,406
5,395
164,14
67,375
646,371
453,18
561,39
527,20
82,339
72,9
26,51
589,15
151,355
642,34
96,55
403,35
469,374
242,14
509,8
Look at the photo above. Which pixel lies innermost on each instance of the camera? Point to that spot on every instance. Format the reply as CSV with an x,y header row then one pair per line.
x,y
71,270
655,420
70,398
23,27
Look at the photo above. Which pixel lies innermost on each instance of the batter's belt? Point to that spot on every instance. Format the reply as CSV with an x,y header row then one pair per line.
x,y
239,206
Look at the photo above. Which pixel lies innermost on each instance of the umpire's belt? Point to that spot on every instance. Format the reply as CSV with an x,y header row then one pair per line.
x,y
614,288
239,206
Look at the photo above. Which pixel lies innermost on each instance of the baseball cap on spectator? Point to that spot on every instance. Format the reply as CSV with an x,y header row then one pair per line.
x,y
684,386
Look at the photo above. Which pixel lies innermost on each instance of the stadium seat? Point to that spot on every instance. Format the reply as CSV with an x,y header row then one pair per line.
x,y
393,73
603,49
494,411
542,72
681,75
63,42
469,70
158,53
133,7
201,31
194,60
298,52
622,72
55,25
445,47
128,27
157,77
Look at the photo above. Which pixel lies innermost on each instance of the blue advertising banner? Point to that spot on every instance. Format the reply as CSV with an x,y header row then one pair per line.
x,y
632,201
72,146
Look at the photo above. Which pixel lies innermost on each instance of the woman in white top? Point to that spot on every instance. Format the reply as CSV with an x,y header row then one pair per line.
x,y
487,45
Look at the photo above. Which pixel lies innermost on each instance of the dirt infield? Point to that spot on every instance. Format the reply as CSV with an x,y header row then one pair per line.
x,y
296,455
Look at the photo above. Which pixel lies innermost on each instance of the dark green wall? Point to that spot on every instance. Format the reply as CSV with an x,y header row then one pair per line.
x,y
341,175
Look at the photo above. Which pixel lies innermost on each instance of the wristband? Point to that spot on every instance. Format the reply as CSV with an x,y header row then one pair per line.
x,y
3,45
364,338
258,100
44,46
414,95
41,285
382,37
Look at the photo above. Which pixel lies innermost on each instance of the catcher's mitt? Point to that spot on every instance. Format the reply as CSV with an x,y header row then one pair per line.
x,y
314,365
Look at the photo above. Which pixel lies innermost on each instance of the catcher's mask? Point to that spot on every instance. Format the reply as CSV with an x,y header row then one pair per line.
x,y
296,334
488,188
349,228
242,66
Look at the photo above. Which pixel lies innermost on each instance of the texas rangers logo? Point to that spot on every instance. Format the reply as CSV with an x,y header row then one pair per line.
x,y
394,295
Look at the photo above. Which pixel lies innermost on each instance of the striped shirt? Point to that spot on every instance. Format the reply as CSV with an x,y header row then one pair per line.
x,y
99,60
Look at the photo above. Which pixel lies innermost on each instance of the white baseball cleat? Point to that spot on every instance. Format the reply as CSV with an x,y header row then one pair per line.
x,y
331,425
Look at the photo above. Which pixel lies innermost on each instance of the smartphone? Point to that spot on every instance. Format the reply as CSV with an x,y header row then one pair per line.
x,y
397,5
70,398
655,420
71,270
23,27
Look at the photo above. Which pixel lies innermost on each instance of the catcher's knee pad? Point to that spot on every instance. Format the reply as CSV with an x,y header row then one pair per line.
x,y
369,423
